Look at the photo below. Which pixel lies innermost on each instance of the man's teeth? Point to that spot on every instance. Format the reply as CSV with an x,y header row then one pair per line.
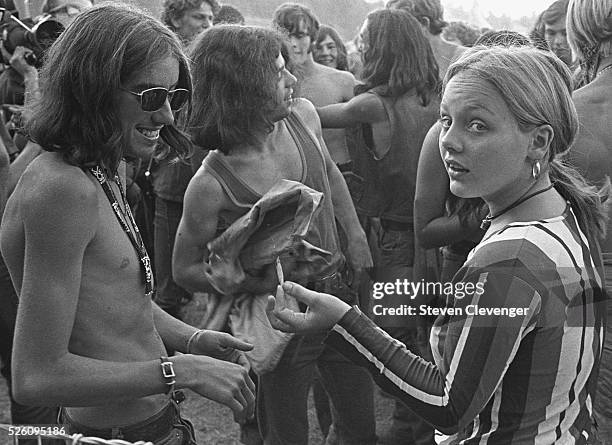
x,y
150,134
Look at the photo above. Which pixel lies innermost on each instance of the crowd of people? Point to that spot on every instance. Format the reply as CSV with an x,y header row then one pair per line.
x,y
309,190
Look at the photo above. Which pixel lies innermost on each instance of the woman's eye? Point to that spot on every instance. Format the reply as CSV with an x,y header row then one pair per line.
x,y
445,122
477,126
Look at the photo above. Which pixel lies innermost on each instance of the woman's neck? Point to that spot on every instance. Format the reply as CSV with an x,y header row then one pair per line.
x,y
533,202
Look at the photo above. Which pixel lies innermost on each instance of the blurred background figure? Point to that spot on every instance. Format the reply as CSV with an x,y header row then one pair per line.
x,y
461,33
429,13
329,50
188,18
589,32
228,15
549,31
392,110
65,11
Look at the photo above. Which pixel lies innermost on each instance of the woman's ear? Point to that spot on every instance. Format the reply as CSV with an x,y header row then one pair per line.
x,y
541,138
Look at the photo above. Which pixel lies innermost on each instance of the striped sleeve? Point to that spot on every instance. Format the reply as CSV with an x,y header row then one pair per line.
x,y
476,352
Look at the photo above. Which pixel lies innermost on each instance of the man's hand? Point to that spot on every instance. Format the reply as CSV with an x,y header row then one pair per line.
x,y
222,346
226,383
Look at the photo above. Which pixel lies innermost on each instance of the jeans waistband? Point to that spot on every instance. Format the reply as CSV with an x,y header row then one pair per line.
x,y
147,430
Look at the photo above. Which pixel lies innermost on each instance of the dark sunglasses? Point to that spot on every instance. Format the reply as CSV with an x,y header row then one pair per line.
x,y
153,99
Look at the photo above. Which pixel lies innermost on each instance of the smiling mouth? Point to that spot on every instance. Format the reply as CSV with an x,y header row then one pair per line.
x,y
149,134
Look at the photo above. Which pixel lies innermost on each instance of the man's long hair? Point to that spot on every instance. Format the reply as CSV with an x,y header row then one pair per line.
x,y
77,112
397,56
235,85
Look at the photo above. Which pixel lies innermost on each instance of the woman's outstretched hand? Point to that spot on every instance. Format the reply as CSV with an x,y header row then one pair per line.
x,y
323,312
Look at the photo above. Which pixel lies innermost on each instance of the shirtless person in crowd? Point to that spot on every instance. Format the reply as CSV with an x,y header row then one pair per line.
x,y
88,337
588,30
319,84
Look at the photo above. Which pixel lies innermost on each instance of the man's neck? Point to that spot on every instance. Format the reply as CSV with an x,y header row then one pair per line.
x,y
307,68
261,144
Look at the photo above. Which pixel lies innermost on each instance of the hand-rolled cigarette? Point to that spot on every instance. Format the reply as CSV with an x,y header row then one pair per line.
x,y
279,271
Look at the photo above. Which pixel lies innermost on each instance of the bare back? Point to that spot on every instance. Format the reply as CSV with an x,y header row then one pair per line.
x,y
79,281
592,150
324,86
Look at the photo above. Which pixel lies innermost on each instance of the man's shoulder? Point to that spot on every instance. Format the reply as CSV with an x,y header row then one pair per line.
x,y
332,75
204,182
306,110
593,94
50,180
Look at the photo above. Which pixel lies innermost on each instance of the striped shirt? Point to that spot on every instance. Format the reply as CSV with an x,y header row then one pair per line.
x,y
499,378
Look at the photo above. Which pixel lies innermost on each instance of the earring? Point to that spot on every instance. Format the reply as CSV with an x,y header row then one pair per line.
x,y
536,168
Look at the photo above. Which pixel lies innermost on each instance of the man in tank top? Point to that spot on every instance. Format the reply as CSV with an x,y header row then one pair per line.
x,y
258,135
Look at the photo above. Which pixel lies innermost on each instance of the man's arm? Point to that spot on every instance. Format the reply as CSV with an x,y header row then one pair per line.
x,y
201,207
361,109
433,227
358,249
60,218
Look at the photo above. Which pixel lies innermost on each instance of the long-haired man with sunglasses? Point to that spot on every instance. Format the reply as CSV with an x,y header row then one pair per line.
x,y
88,336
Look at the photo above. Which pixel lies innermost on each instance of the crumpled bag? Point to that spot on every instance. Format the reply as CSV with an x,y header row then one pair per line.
x,y
276,226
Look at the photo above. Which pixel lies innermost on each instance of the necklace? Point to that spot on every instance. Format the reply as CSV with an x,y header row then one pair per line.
x,y
605,69
486,222
123,217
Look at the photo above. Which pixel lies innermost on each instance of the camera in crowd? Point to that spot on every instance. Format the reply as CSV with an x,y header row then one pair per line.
x,y
37,37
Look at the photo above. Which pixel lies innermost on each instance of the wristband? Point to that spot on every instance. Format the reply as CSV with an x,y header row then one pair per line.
x,y
168,374
192,338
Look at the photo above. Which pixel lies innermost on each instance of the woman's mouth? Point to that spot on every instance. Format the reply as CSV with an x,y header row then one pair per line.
x,y
455,169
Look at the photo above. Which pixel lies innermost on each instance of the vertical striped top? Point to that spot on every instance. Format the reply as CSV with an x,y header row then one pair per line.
x,y
516,362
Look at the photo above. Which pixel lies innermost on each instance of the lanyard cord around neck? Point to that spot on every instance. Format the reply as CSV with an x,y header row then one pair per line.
x,y
133,235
